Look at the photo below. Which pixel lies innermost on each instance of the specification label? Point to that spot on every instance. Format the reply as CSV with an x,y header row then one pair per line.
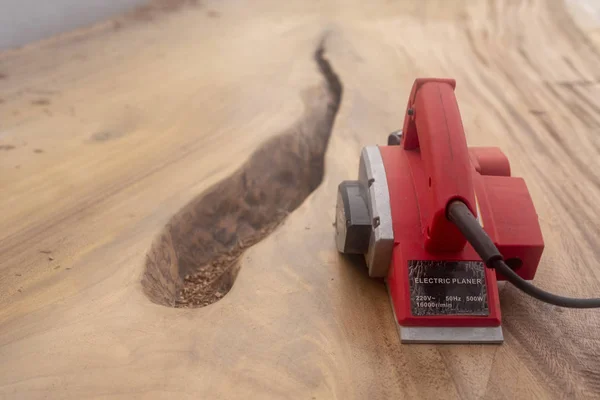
x,y
447,288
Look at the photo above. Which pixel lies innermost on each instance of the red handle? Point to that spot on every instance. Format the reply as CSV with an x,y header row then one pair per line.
x,y
434,126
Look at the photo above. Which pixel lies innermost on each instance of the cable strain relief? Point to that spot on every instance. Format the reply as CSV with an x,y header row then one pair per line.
x,y
491,259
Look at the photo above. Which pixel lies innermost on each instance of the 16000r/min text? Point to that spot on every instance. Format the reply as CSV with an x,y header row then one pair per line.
x,y
429,299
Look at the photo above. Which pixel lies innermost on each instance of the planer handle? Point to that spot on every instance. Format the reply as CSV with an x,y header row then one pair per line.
x,y
433,126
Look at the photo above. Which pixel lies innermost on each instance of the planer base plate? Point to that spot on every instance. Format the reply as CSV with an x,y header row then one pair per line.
x,y
422,334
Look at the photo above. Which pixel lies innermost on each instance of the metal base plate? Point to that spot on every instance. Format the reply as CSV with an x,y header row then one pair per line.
x,y
420,334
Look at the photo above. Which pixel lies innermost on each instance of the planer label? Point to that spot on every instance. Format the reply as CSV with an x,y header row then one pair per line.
x,y
447,288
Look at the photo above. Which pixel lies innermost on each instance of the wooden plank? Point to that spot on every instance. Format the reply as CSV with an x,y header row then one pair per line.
x,y
107,134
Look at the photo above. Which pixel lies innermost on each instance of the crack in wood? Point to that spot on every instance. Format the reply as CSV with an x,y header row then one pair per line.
x,y
194,261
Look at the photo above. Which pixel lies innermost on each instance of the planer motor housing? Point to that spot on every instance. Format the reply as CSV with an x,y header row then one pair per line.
x,y
395,214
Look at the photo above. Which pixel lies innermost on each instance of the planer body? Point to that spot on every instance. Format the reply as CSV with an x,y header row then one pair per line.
x,y
395,214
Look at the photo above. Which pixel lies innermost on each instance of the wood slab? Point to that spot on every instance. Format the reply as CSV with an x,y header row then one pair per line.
x,y
145,153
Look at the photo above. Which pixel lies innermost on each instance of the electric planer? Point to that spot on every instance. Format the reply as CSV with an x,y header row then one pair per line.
x,y
442,223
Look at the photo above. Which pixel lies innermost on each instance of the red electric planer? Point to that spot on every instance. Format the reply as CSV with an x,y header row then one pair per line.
x,y
442,223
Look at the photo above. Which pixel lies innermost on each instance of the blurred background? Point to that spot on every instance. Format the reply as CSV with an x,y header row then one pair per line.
x,y
25,21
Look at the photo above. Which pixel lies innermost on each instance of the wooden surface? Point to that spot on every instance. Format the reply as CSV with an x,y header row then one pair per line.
x,y
107,133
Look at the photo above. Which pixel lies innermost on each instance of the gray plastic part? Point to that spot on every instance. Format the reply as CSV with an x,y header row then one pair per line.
x,y
371,175
352,222
395,138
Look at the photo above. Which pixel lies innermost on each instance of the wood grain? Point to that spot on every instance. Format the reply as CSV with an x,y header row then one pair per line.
x,y
107,133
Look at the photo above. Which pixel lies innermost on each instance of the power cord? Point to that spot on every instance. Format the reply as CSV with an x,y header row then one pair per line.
x,y
466,222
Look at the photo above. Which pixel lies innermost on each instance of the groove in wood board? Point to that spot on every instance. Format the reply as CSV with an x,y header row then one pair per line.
x,y
194,262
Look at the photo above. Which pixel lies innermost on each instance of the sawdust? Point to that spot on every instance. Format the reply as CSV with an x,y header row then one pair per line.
x,y
210,282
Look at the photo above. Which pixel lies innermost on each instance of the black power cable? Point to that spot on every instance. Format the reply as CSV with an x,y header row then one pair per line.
x,y
466,222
